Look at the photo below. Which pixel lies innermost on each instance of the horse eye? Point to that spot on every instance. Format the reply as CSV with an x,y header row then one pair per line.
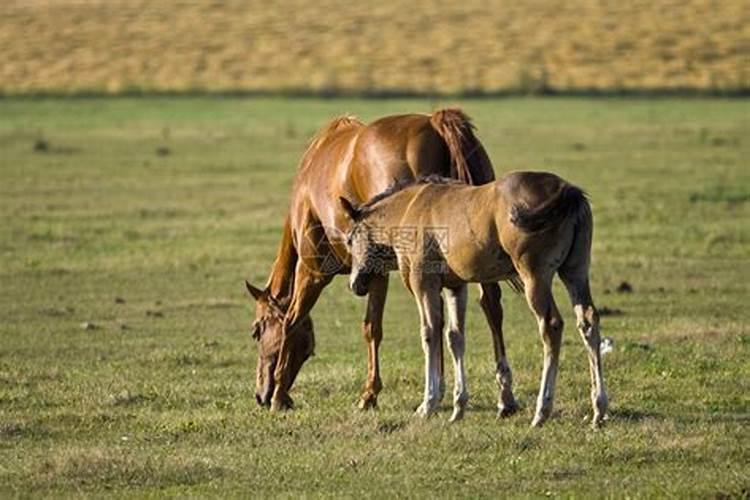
x,y
256,330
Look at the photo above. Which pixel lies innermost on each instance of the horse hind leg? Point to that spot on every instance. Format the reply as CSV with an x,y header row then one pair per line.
x,y
550,323
490,301
587,323
455,300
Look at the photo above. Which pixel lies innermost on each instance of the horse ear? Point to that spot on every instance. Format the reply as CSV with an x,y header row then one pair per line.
x,y
350,210
255,292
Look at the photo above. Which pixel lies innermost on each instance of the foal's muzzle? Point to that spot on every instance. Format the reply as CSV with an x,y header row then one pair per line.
x,y
359,285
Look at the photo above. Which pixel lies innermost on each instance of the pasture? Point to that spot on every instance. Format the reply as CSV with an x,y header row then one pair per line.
x,y
126,367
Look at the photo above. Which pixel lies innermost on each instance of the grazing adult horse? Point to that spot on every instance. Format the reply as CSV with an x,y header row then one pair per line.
x,y
357,161
442,235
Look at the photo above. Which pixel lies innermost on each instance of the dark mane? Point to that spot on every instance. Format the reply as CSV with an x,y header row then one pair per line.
x,y
405,183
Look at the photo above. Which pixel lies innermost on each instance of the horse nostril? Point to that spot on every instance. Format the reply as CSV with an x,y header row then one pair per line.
x,y
258,399
359,289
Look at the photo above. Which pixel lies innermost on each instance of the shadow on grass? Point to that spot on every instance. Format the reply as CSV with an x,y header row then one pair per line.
x,y
719,417
633,414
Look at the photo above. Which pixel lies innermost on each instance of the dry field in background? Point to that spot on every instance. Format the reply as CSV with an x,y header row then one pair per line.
x,y
396,46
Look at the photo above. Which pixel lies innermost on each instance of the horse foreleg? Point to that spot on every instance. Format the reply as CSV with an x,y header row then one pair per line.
x,y
441,356
455,301
307,288
430,313
372,329
492,307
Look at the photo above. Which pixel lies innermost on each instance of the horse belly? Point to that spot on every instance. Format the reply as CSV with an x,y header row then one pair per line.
x,y
479,265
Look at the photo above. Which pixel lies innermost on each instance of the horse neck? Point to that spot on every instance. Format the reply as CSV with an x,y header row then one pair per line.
x,y
281,280
386,224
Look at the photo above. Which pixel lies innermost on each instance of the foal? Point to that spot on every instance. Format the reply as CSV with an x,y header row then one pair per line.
x,y
441,235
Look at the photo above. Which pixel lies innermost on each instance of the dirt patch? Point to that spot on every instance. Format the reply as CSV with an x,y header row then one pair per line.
x,y
624,287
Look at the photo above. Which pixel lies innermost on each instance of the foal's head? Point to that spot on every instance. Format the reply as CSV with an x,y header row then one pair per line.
x,y
368,257
267,330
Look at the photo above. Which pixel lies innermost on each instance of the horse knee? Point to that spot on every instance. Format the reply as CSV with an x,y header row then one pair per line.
x,y
554,325
557,324
427,337
551,329
588,324
370,333
592,315
456,341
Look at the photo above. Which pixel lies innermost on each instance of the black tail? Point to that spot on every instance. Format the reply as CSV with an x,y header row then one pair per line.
x,y
568,202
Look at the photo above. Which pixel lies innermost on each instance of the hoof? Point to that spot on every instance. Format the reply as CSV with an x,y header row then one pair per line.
x,y
368,402
458,414
506,410
425,411
598,421
543,412
540,418
281,402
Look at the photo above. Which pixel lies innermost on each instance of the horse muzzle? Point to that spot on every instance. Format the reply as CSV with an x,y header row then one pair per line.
x,y
359,286
263,397
265,382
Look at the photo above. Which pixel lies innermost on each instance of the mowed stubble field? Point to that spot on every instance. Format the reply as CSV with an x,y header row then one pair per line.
x,y
391,46
126,368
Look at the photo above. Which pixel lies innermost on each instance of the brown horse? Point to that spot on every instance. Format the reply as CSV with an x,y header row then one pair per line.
x,y
357,161
527,224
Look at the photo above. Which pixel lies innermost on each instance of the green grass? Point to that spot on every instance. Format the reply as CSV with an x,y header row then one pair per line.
x,y
156,396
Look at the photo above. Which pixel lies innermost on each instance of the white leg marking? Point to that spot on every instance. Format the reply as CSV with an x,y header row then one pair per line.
x,y
430,309
456,309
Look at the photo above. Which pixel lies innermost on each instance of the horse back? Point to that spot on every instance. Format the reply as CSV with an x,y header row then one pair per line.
x,y
396,149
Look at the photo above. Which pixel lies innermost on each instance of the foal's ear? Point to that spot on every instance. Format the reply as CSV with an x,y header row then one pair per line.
x,y
350,210
255,292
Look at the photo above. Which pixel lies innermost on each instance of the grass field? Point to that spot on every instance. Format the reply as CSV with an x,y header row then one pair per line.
x,y
126,367
393,46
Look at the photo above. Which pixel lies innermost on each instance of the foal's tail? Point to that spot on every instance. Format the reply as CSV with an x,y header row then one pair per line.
x,y
469,161
569,202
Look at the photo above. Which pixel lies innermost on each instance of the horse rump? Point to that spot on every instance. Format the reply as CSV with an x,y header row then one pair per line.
x,y
570,201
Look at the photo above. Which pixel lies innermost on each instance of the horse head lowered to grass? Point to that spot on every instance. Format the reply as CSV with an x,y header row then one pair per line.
x,y
357,161
441,235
